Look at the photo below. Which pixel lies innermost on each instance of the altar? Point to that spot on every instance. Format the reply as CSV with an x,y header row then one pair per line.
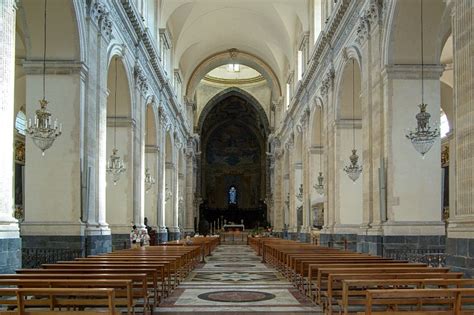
x,y
233,227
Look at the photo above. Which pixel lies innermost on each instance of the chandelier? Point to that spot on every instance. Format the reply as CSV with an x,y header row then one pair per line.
x,y
319,187
43,131
149,180
353,170
299,195
424,135
115,165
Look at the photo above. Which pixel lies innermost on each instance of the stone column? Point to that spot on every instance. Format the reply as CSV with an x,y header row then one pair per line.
x,y
370,39
327,95
152,195
278,206
190,179
95,134
174,172
161,183
307,187
460,245
138,146
10,243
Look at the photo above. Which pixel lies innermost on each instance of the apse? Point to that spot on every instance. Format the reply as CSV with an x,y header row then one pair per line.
x,y
233,164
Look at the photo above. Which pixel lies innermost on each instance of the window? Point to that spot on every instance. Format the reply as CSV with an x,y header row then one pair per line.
x,y
20,123
287,95
444,124
233,67
300,65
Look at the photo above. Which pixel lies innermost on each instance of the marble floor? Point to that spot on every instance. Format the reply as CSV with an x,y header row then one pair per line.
x,y
233,280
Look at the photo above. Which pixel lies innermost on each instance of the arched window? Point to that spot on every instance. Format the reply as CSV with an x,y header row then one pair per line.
x,y
232,195
20,122
444,124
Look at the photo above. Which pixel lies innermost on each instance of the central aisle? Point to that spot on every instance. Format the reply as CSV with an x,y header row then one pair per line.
x,y
234,280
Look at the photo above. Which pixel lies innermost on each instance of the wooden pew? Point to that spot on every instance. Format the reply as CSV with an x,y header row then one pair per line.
x,y
123,288
323,271
52,300
418,301
354,291
139,282
150,273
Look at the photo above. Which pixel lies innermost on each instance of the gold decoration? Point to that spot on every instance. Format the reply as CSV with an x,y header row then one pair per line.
x,y
445,156
20,152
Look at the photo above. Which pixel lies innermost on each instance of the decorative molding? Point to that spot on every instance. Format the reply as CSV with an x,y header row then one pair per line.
x,y
140,79
369,19
412,72
100,14
327,82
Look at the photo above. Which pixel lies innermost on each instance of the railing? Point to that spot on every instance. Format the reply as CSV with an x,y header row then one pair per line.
x,y
35,257
434,257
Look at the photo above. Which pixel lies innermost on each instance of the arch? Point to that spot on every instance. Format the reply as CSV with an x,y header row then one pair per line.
x,y
315,127
124,90
150,130
403,30
343,91
233,56
233,91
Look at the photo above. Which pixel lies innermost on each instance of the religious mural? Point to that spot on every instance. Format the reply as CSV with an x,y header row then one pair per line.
x,y
234,159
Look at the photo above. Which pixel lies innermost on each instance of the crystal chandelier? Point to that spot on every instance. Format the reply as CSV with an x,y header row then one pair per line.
x,y
424,135
299,195
115,165
319,187
353,170
149,180
43,131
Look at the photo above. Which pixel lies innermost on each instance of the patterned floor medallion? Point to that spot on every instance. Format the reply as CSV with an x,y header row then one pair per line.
x,y
235,266
236,296
235,281
235,276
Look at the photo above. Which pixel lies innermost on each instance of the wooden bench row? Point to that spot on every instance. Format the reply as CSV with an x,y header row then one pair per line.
x,y
340,281
137,278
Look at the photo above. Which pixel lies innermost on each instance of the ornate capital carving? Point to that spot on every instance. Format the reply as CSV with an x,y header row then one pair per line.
x,y
100,14
369,19
328,82
140,79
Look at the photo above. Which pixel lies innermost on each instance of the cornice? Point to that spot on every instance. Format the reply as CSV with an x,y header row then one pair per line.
x,y
152,60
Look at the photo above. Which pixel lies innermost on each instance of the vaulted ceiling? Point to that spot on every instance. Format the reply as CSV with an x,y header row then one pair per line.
x,y
264,28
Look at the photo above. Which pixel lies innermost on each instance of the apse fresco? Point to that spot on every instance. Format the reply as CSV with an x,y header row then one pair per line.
x,y
233,148
233,159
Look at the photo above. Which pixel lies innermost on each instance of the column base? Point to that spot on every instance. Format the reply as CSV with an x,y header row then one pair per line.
x,y
10,254
460,255
174,233
162,235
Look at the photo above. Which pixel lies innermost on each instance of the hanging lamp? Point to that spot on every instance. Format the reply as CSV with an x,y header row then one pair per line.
x,y
424,135
353,170
115,165
319,187
43,131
